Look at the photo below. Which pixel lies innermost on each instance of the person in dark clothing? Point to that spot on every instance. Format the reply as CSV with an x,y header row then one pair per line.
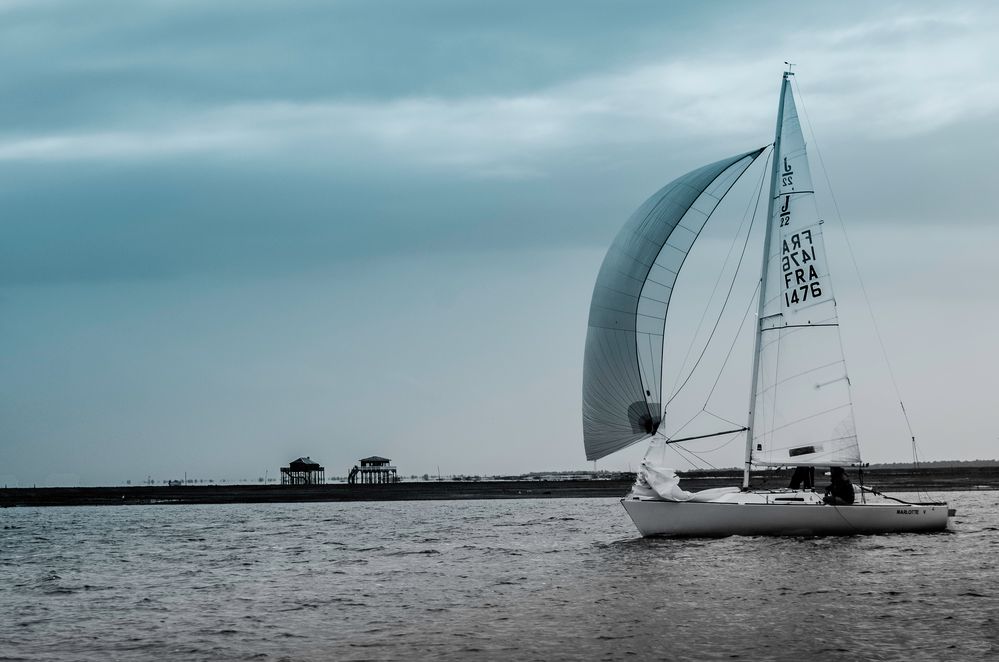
x,y
803,477
840,490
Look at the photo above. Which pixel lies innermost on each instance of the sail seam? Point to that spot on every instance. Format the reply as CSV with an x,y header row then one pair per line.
x,y
802,374
807,418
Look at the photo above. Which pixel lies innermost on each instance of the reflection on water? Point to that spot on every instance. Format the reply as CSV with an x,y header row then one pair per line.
x,y
525,580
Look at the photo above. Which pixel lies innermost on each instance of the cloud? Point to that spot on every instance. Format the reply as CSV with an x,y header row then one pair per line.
x,y
885,77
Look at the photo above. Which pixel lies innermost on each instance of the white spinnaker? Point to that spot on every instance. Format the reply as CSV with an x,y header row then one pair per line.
x,y
803,411
622,363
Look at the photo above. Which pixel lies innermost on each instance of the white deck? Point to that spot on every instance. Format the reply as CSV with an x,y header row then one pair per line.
x,y
779,513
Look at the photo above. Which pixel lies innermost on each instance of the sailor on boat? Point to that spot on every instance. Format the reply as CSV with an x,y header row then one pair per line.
x,y
802,477
840,490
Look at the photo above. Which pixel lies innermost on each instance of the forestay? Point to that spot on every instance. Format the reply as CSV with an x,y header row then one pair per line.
x,y
803,414
622,367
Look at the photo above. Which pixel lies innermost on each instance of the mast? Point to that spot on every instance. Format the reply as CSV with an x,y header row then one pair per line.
x,y
763,280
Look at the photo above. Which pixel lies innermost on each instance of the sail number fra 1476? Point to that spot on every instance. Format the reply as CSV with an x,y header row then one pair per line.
x,y
801,278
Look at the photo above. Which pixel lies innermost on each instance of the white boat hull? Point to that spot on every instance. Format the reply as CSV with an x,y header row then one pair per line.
x,y
753,516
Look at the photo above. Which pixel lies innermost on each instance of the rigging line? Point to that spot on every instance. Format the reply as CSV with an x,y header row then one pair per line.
x,y
773,408
726,169
809,417
843,517
695,463
654,446
669,439
738,332
781,336
751,204
684,426
735,340
714,290
705,410
728,294
687,450
703,436
718,448
803,373
731,347
719,417
681,453
863,287
907,503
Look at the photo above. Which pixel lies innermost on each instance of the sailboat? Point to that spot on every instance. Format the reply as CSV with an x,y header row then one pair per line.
x,y
800,408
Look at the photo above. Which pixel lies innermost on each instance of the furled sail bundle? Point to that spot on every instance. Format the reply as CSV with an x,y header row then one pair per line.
x,y
622,367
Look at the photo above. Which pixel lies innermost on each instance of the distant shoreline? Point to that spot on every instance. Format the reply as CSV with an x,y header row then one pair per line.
x,y
214,494
888,480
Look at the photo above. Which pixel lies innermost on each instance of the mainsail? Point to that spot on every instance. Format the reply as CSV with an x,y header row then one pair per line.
x,y
802,413
622,367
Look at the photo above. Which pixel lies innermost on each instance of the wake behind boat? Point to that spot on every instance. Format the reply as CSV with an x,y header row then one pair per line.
x,y
800,408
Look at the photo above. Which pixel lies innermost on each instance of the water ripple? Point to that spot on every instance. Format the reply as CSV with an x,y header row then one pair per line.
x,y
526,580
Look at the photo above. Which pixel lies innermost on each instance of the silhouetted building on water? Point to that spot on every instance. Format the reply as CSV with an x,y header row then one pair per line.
x,y
373,470
303,471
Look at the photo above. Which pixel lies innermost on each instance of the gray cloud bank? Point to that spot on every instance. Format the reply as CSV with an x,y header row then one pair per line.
x,y
152,139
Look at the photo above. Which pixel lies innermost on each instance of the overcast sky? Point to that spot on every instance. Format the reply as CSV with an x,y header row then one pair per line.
x,y
234,233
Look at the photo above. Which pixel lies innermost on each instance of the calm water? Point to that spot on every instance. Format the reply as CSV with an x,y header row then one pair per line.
x,y
519,580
